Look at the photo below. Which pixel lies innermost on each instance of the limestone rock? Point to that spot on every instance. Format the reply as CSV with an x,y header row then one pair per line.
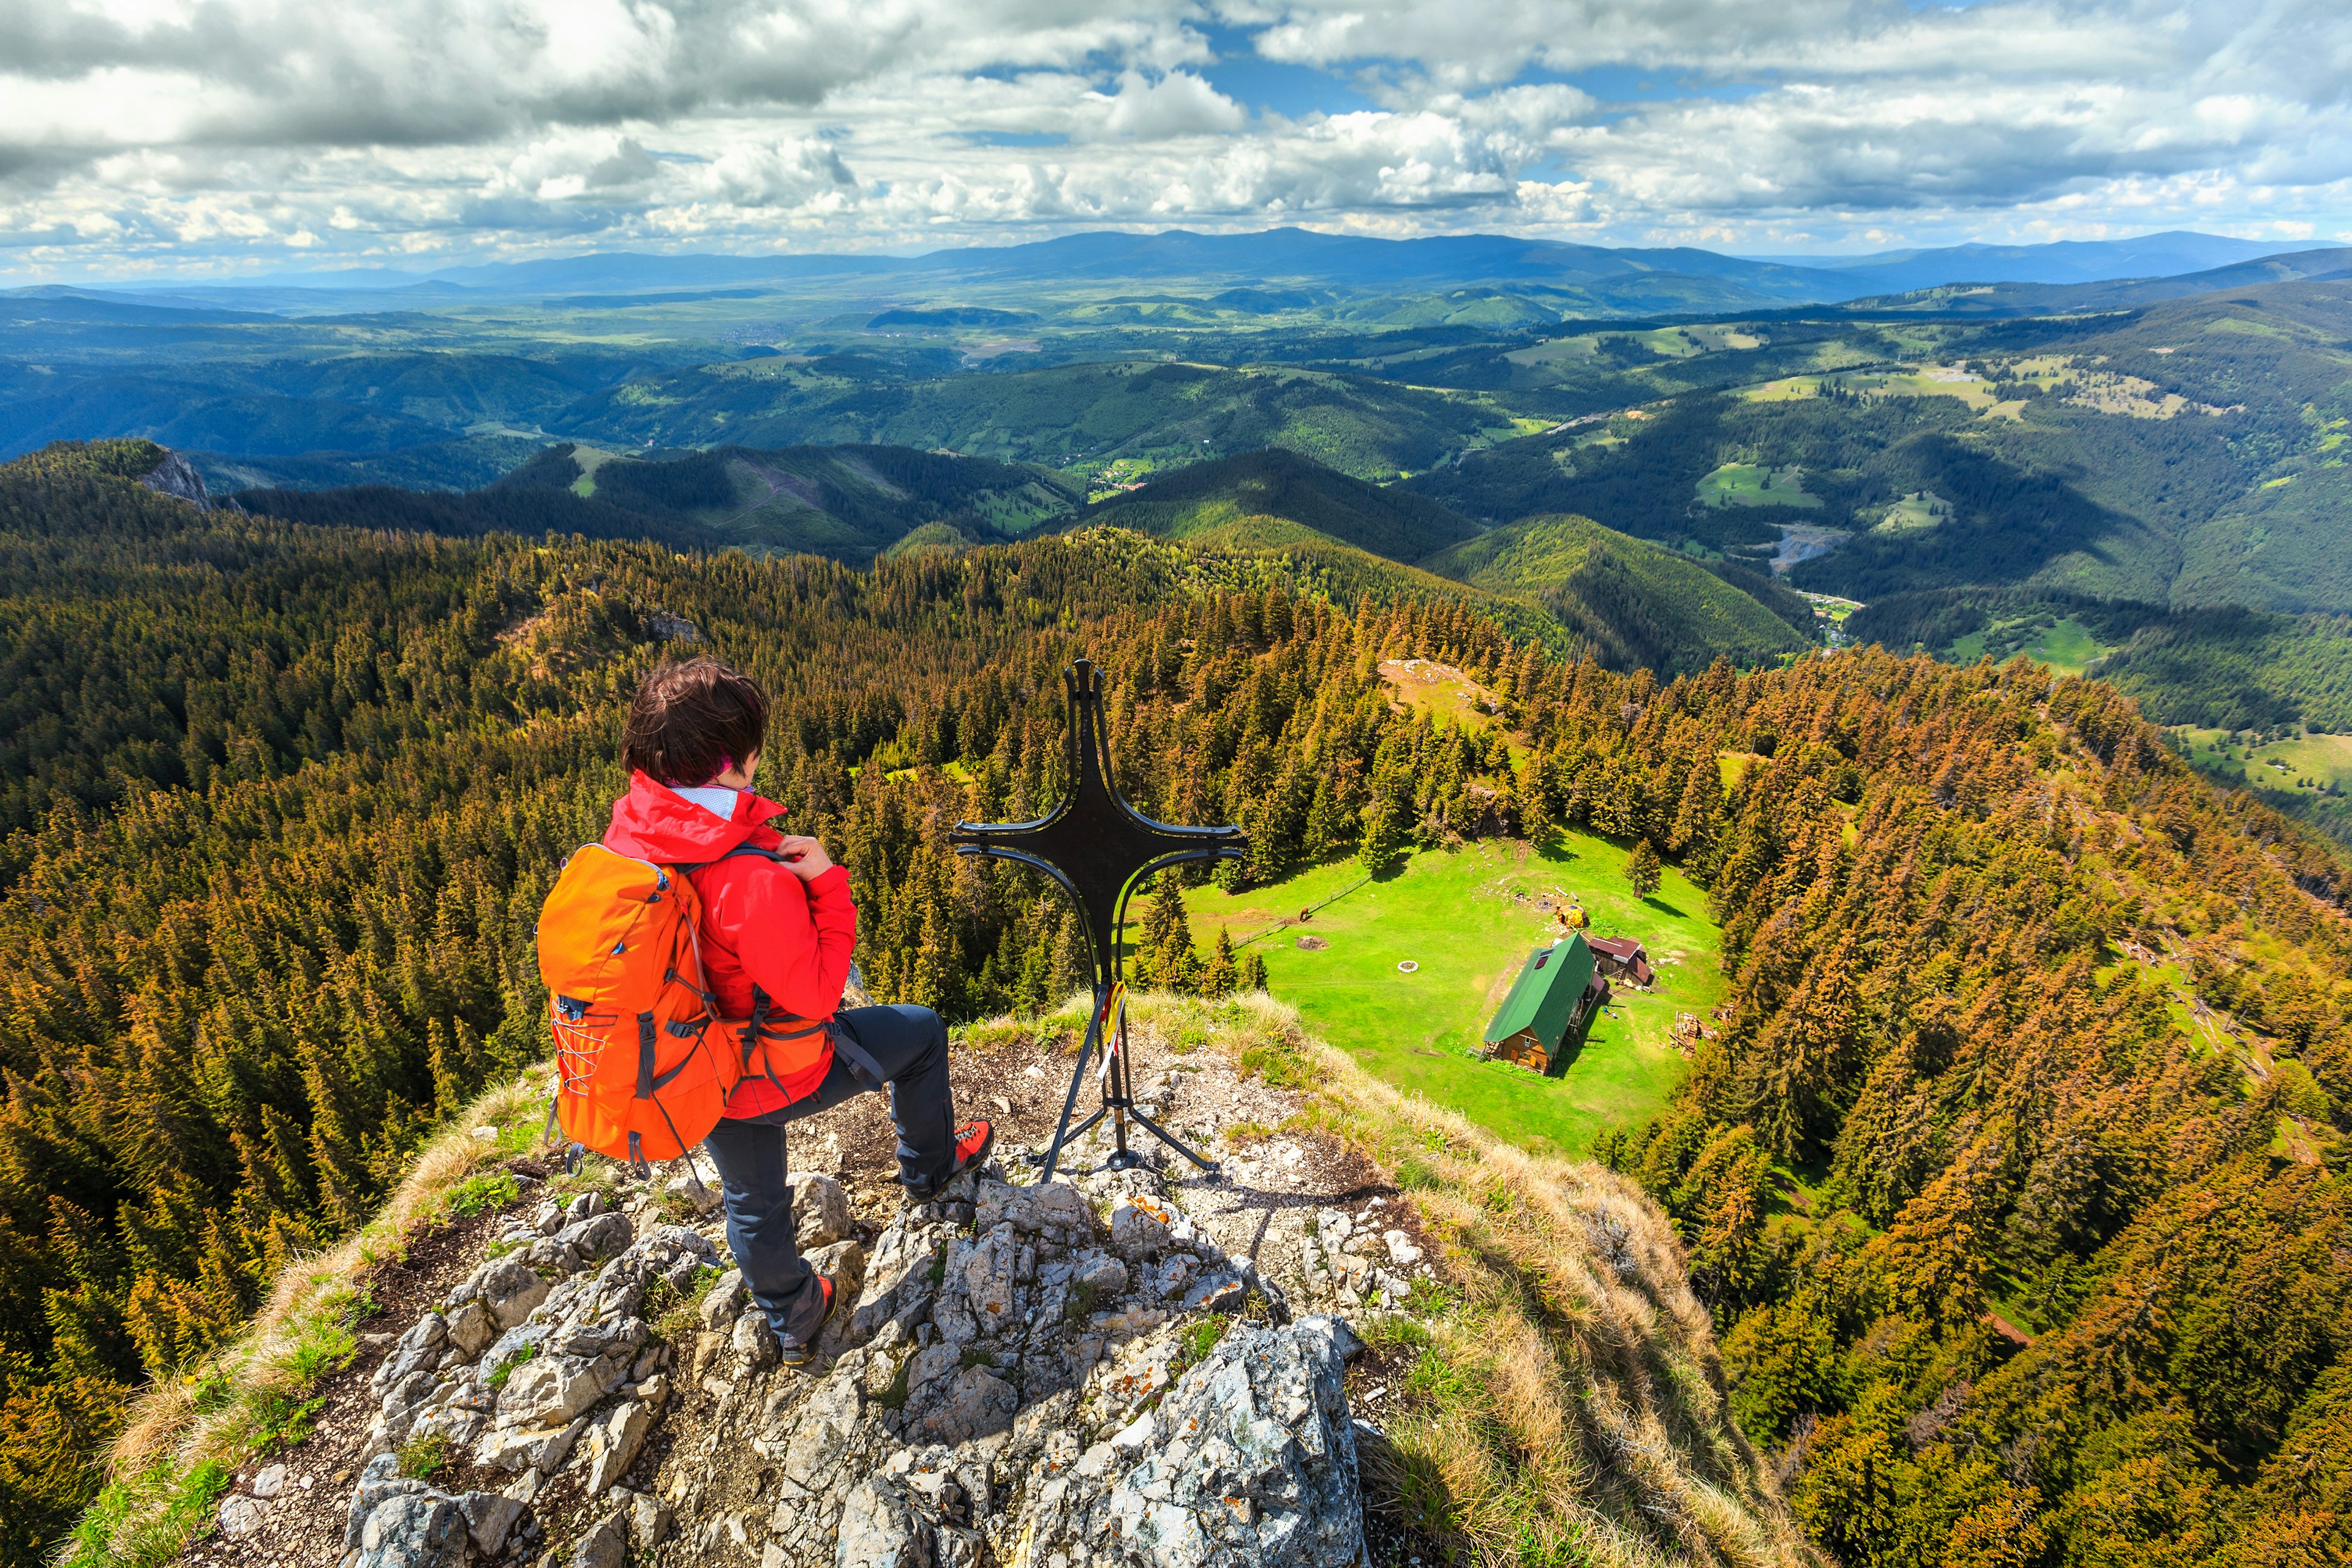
x,y
991,1278
724,1300
175,476
540,1448
613,1446
270,1481
490,1518
471,1329
414,1529
553,1389
240,1515
820,1213
606,1546
650,1522
880,1530
753,1342
1248,1462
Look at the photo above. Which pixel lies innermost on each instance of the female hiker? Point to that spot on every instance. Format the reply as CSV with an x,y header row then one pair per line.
x,y
777,927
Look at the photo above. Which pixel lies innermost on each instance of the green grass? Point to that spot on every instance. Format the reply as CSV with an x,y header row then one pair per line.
x,y
1748,484
2309,764
2065,645
2069,647
1452,913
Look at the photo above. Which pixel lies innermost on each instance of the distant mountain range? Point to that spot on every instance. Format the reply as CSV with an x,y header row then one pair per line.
x,y
1627,280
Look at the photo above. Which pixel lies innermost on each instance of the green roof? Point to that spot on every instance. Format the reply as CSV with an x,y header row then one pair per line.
x,y
1544,996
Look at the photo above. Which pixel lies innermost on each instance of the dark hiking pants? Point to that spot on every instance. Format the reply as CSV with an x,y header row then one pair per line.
x,y
910,1046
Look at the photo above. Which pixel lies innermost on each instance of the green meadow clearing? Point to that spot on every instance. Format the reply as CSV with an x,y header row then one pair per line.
x,y
2068,646
1469,919
1748,484
2309,762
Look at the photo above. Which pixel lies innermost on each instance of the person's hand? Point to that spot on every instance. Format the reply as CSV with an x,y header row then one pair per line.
x,y
805,857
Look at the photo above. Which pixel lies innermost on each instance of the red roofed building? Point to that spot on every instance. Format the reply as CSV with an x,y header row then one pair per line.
x,y
1622,958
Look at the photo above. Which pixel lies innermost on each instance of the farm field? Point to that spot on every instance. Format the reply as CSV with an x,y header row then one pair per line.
x,y
1469,919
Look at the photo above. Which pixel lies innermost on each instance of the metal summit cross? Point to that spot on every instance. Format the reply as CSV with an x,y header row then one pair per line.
x,y
1099,849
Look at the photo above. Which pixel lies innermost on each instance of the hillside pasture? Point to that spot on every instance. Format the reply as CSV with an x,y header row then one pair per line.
x,y
2309,764
1469,918
1752,484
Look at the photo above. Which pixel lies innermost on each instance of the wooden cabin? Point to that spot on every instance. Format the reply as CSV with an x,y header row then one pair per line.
x,y
1553,1002
1622,958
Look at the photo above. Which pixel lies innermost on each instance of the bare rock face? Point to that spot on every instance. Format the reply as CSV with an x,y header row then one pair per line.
x,y
1014,1375
1008,1389
395,1522
175,476
1249,1462
515,1373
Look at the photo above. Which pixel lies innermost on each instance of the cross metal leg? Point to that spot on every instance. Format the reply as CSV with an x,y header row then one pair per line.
x,y
1119,1103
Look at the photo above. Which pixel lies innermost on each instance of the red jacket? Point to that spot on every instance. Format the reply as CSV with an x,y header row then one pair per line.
x,y
762,925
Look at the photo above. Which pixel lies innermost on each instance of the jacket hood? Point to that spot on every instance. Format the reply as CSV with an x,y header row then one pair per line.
x,y
653,822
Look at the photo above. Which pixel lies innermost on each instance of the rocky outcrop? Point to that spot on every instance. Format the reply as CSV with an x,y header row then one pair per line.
x,y
1052,1375
1012,1383
175,476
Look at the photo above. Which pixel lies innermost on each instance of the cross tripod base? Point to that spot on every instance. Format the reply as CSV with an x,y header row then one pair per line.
x,y
1106,1033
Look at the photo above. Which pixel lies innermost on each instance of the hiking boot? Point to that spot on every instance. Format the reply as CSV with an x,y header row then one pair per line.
x,y
974,1140
803,1353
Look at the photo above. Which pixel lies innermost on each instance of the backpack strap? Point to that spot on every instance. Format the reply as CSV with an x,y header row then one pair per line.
x,y
862,1066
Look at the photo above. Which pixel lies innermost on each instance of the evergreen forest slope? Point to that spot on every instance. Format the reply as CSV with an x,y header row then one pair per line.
x,y
850,503
2014,1182
1201,497
1637,604
1162,412
1626,603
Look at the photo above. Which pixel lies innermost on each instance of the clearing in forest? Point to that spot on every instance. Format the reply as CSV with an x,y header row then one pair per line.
x,y
2067,646
1750,484
1468,919
2313,762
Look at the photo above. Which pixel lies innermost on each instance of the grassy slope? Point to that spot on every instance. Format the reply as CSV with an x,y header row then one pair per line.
x,y
1452,914
1629,601
1687,614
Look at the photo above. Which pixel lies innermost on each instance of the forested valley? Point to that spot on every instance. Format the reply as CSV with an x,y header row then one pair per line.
x,y
2012,1264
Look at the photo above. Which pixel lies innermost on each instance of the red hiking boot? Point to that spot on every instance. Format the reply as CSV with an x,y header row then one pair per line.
x,y
973,1140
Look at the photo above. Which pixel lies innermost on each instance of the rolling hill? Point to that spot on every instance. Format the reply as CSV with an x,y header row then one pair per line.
x,y
851,503
1057,416
1276,483
1627,602
1638,603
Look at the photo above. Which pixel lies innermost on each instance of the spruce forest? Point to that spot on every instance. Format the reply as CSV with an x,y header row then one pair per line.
x,y
282,798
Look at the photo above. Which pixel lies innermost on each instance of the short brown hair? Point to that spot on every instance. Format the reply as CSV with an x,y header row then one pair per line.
x,y
691,722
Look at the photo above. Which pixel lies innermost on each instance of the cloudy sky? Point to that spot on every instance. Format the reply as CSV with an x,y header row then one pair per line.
x,y
241,136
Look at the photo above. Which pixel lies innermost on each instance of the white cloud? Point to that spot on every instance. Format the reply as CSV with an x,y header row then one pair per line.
x,y
137,132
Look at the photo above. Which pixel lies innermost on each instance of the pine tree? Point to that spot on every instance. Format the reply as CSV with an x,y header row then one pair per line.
x,y
1166,959
1641,870
1387,822
1218,975
1253,973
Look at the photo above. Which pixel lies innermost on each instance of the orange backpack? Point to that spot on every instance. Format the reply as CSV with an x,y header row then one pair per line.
x,y
642,1068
